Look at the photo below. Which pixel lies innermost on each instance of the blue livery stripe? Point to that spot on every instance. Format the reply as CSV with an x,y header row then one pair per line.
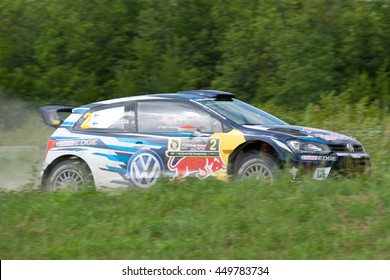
x,y
68,123
115,147
79,111
120,183
116,169
118,158
132,140
122,148
312,139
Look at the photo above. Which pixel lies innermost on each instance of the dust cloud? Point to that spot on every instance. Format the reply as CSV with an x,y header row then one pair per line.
x,y
22,143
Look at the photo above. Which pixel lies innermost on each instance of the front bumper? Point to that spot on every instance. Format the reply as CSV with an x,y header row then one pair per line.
x,y
336,163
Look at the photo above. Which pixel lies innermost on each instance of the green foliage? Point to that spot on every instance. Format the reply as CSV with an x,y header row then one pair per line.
x,y
275,52
69,49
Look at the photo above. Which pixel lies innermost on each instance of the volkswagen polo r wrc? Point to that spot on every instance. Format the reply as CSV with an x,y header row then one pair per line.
x,y
134,141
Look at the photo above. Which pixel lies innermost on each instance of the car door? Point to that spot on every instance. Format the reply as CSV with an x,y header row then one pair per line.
x,y
166,144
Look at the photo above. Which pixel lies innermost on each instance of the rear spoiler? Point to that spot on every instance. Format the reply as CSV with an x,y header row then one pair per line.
x,y
54,115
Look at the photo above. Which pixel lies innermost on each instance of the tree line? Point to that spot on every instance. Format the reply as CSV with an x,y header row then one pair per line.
x,y
281,52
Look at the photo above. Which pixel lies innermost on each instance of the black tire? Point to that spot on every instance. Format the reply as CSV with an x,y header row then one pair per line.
x,y
69,174
257,166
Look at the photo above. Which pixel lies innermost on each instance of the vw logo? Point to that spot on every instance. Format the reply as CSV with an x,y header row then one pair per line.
x,y
144,168
350,148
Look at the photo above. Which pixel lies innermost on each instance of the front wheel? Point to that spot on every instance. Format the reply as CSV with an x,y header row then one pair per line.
x,y
257,166
69,174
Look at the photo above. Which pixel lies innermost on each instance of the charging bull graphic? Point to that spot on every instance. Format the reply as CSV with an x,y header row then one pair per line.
x,y
203,167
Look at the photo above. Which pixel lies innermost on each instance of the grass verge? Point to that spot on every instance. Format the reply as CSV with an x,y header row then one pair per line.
x,y
335,219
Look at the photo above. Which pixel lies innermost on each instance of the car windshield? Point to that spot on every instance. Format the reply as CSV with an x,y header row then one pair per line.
x,y
242,113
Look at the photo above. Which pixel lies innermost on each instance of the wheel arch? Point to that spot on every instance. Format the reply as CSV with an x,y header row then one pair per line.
x,y
57,161
253,146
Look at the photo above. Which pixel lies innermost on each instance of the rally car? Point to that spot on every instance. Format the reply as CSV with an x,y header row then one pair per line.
x,y
134,141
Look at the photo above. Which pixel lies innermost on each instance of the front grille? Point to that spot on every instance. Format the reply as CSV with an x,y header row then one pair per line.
x,y
343,148
353,165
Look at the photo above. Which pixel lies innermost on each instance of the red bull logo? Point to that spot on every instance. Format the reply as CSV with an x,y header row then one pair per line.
x,y
201,167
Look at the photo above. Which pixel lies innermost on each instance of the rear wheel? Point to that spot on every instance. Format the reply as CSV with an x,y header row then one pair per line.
x,y
69,174
257,166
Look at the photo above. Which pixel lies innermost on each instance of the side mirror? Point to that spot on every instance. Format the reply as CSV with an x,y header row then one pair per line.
x,y
189,129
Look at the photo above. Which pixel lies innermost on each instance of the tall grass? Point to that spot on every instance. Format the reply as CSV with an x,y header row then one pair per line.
x,y
336,219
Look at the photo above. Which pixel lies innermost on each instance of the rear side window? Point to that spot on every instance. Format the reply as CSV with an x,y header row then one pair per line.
x,y
113,118
168,116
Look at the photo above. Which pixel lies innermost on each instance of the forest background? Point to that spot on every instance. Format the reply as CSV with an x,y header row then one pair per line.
x,y
285,53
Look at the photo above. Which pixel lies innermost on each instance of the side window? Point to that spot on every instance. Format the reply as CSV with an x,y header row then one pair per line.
x,y
117,118
167,116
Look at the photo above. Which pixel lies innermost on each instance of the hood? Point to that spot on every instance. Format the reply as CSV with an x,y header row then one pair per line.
x,y
303,132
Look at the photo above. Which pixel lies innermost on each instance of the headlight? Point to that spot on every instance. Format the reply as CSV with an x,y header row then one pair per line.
x,y
306,147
